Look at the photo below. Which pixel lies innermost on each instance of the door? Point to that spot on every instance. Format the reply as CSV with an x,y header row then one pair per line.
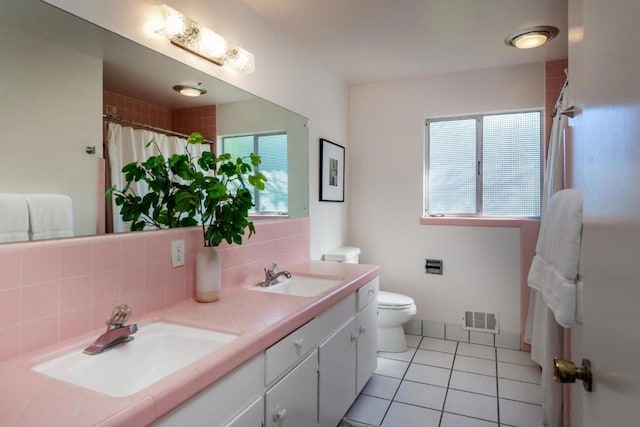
x,y
604,82
293,401
367,345
337,381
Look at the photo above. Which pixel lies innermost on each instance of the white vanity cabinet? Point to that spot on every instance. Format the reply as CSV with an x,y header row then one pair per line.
x,y
222,401
336,382
293,400
367,345
251,416
348,357
309,378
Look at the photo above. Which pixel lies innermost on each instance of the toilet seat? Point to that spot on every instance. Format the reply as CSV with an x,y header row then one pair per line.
x,y
393,301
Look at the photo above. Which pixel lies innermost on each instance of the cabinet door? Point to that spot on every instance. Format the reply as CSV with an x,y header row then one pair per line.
x,y
337,386
293,401
367,352
251,416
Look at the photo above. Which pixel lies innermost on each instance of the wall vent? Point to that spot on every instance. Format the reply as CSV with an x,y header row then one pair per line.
x,y
480,321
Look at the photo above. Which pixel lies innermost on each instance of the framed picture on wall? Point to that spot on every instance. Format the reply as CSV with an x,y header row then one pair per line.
x,y
331,171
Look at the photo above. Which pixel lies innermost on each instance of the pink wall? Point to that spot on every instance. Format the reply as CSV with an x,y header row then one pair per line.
x,y
54,290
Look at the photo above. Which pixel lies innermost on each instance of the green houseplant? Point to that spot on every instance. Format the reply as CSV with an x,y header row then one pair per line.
x,y
210,191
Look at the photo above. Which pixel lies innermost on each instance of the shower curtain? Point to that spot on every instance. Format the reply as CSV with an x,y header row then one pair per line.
x,y
541,330
125,145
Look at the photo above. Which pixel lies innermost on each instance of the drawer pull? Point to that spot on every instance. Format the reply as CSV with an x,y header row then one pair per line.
x,y
298,343
362,330
354,337
372,291
279,413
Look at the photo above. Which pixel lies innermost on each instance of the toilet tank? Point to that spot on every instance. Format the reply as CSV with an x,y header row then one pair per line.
x,y
347,254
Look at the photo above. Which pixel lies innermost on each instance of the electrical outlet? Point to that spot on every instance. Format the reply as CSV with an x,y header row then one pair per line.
x,y
177,253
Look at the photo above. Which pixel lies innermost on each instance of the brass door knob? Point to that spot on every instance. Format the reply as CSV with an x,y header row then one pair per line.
x,y
565,371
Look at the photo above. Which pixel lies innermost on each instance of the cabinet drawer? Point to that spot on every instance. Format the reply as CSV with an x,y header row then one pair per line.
x,y
368,293
285,353
336,316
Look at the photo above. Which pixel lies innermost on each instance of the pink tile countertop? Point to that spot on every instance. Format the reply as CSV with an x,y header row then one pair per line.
x,y
28,398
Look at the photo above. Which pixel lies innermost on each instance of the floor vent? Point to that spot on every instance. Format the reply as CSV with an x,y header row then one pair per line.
x,y
480,321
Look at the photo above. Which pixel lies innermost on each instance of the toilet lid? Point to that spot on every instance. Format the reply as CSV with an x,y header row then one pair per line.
x,y
390,299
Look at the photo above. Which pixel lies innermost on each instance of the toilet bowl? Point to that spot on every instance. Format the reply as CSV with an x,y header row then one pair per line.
x,y
394,310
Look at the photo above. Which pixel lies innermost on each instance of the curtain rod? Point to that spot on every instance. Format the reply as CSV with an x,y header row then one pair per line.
x,y
558,103
146,126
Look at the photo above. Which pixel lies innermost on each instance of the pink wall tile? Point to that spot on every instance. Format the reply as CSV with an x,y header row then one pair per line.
x,y
39,301
154,274
40,264
154,299
155,248
39,333
9,307
55,290
75,260
10,339
132,279
176,292
75,322
106,286
10,262
132,250
75,292
106,256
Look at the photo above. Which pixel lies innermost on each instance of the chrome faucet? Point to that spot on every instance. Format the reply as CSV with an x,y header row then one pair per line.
x,y
117,332
271,277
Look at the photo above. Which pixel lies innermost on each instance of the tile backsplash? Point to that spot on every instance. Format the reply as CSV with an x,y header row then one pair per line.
x,y
54,290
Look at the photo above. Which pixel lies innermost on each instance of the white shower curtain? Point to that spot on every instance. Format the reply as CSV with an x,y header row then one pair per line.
x,y
126,145
541,330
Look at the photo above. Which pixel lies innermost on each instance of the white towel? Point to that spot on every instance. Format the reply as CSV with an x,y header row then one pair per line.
x,y
554,268
50,216
14,218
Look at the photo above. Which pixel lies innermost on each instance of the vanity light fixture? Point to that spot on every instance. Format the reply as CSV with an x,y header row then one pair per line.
x,y
531,37
186,33
190,90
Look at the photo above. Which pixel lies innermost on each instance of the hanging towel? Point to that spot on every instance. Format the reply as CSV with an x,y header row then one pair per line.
x,y
50,216
14,218
554,268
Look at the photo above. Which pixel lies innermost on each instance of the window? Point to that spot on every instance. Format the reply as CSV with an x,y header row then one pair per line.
x,y
272,149
487,165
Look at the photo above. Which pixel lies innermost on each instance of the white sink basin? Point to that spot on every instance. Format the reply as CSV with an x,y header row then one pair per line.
x,y
301,286
158,349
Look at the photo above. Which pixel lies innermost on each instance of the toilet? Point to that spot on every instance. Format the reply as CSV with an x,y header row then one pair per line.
x,y
394,309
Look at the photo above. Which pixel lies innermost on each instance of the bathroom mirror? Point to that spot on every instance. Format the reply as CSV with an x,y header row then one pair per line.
x,y
56,68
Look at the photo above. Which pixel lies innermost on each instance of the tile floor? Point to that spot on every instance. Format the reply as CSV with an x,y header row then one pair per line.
x,y
451,384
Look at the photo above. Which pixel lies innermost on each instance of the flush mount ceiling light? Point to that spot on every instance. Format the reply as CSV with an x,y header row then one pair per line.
x,y
186,33
529,38
190,90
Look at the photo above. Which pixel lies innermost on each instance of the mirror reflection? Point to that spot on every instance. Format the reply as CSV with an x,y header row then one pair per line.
x,y
60,77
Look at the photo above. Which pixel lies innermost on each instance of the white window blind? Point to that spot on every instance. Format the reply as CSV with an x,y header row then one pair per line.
x,y
272,149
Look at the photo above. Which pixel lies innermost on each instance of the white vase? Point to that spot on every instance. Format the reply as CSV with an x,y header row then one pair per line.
x,y
208,274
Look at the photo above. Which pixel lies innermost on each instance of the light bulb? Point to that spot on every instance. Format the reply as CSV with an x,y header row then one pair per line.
x,y
529,41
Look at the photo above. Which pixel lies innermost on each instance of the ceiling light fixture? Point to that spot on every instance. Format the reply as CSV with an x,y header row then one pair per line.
x,y
531,37
186,33
190,90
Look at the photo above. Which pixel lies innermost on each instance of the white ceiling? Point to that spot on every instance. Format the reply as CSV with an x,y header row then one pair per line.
x,y
375,40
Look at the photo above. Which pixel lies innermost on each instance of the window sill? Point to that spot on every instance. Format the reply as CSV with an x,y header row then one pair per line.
x,y
478,222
